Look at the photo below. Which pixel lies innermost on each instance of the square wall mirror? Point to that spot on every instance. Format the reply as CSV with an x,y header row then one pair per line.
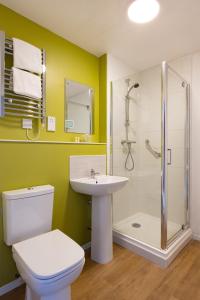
x,y
78,107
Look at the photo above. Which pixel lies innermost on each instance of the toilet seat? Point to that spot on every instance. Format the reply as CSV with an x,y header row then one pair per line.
x,y
49,256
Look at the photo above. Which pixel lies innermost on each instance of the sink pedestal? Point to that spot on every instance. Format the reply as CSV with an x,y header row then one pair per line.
x,y
100,188
102,241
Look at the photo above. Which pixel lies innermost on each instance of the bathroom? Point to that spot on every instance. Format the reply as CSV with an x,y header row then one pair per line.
x,y
141,239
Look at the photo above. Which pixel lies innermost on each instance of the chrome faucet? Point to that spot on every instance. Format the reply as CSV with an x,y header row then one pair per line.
x,y
93,173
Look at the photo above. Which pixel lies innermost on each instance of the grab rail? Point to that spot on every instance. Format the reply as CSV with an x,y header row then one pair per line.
x,y
151,150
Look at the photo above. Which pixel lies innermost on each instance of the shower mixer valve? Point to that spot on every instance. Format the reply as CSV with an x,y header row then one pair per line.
x,y
127,142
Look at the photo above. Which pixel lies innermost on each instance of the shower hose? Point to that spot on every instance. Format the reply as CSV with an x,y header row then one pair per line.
x,y
129,155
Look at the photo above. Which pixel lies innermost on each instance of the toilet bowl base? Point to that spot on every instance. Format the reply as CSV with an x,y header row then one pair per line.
x,y
64,294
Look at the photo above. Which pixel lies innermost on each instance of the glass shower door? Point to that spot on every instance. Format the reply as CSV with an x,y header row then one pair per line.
x,y
175,154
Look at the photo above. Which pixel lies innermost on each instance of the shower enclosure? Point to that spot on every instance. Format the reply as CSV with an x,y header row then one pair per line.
x,y
150,145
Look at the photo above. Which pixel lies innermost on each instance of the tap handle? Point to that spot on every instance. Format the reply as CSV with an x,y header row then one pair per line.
x,y
92,172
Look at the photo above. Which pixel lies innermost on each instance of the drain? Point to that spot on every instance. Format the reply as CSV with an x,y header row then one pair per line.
x,y
136,225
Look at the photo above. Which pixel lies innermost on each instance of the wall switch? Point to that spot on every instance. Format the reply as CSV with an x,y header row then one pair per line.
x,y
27,123
51,123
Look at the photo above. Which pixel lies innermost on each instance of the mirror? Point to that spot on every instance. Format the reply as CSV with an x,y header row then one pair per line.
x,y
78,107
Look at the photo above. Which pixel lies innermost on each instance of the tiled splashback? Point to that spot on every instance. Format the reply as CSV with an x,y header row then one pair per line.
x,y
81,165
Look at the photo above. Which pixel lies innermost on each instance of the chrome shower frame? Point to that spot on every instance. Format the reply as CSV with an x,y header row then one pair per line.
x,y
165,243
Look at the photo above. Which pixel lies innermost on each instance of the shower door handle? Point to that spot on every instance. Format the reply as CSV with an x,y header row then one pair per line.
x,y
169,158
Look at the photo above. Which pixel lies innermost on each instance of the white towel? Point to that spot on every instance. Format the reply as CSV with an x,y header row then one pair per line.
x,y
27,56
27,84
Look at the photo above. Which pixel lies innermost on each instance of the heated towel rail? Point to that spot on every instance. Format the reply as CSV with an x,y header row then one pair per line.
x,y
12,104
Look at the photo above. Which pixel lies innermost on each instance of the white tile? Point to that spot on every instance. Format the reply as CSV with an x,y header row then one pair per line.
x,y
81,165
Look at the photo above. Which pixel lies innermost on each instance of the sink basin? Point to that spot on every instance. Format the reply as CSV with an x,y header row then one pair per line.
x,y
99,186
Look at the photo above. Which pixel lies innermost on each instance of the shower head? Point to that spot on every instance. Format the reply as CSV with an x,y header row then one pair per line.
x,y
135,86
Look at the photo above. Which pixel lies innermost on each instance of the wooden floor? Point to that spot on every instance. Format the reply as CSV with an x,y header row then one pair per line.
x,y
131,277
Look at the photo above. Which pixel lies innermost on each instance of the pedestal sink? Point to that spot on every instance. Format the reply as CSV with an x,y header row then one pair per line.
x,y
100,188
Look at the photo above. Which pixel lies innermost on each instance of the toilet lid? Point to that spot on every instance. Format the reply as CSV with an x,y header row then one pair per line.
x,y
49,254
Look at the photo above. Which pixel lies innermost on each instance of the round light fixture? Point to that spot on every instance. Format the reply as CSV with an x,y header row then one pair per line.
x,y
143,11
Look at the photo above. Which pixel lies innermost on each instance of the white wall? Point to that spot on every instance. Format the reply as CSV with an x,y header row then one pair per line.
x,y
142,193
195,146
116,69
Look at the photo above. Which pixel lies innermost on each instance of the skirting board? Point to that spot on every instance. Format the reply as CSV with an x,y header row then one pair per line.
x,y
19,281
86,246
11,286
196,237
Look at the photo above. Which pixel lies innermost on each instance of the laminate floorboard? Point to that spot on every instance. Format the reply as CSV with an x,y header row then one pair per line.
x,y
131,277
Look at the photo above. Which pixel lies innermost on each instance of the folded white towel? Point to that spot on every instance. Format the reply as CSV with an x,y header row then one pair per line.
x,y
27,56
27,84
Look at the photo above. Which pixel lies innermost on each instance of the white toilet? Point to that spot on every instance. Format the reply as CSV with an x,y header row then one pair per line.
x,y
48,261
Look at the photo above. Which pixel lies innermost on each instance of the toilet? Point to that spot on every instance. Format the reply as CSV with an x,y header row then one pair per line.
x,y
48,261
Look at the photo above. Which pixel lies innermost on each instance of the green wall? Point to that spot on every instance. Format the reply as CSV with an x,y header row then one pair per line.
x,y
22,164
102,97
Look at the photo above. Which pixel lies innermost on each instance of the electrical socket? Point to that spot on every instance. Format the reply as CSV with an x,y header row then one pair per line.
x,y
27,123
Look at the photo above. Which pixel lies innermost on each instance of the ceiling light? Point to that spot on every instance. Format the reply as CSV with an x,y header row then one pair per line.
x,y
143,11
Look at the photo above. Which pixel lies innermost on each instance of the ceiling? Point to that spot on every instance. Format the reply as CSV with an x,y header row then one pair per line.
x,y
102,26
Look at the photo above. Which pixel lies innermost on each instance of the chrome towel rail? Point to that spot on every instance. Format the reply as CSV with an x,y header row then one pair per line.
x,y
12,104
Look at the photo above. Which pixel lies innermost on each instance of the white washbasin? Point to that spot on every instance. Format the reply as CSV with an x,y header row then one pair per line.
x,y
98,186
